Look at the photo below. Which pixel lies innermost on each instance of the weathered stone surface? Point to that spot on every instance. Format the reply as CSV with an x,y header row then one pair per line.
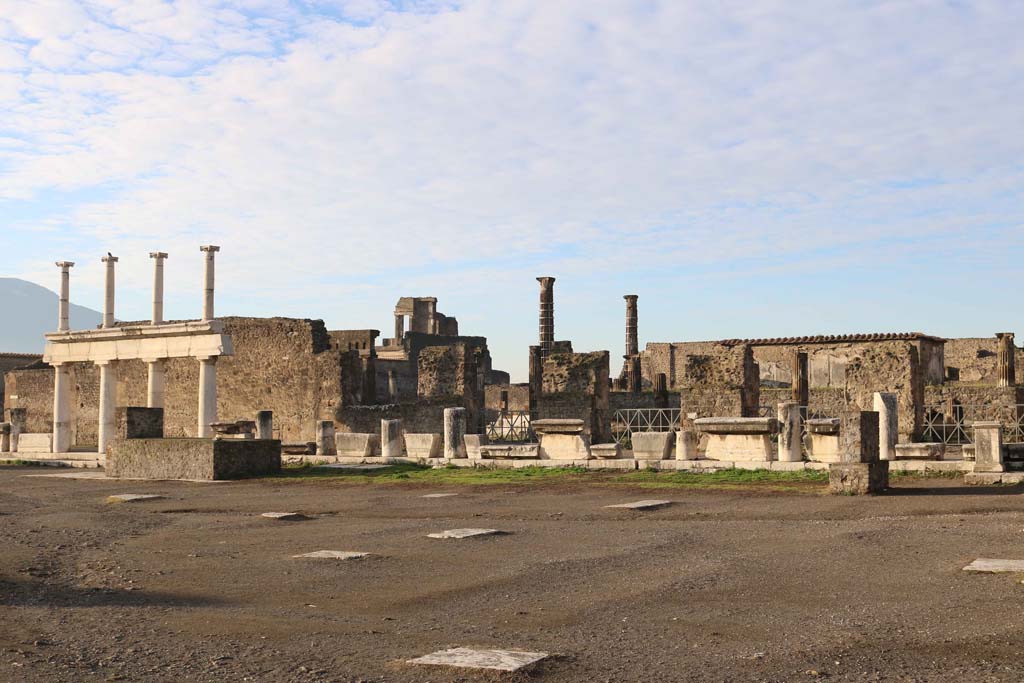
x,y
139,423
886,405
991,566
325,441
423,445
285,516
740,447
920,451
557,426
465,533
265,424
35,443
858,436
494,660
686,445
529,451
391,438
439,495
357,445
560,446
858,478
332,555
192,458
823,425
642,504
474,443
454,432
822,447
133,497
606,451
737,425
652,445
988,447
790,449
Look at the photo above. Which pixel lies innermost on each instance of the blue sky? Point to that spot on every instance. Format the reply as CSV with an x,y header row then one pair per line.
x,y
749,168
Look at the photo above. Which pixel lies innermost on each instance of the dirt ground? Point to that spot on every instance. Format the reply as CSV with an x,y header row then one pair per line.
x,y
750,585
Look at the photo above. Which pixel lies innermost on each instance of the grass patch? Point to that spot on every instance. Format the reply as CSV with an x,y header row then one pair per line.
x,y
451,475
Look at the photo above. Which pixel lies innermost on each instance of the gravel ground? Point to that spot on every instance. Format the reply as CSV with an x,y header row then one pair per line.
x,y
747,585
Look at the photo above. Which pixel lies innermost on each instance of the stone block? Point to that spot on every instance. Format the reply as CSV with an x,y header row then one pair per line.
x,y
920,451
557,426
139,423
454,432
858,436
886,405
325,441
737,425
987,565
651,504
391,438
652,445
740,447
563,446
331,555
858,478
822,425
465,533
790,448
686,445
423,445
474,443
528,451
492,660
606,451
988,447
352,445
200,459
265,424
822,447
35,443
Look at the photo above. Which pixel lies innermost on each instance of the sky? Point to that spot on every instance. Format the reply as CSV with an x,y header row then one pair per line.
x,y
749,168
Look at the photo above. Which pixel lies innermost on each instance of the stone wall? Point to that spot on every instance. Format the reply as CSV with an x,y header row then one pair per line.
x,y
892,366
518,396
575,385
722,381
286,365
418,417
975,360
11,361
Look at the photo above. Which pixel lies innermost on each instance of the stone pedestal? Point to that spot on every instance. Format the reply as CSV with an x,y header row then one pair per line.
x,y
455,431
18,420
391,438
357,445
325,444
790,429
858,478
739,438
423,445
886,404
265,424
562,439
860,472
652,445
686,444
988,447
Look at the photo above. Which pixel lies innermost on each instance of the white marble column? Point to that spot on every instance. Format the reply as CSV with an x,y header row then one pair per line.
x,y
790,428
155,382
108,403
886,404
61,408
455,432
207,396
210,251
64,304
108,298
158,286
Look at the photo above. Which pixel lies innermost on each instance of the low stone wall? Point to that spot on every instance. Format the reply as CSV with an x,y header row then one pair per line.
x,y
203,459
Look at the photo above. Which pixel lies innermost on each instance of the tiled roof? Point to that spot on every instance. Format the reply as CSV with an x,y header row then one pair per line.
x,y
834,338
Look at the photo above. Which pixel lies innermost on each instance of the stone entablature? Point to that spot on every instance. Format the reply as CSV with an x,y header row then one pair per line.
x,y
192,339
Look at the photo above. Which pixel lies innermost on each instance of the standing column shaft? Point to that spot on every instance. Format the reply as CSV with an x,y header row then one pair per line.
x,y
61,408
158,286
547,314
207,396
454,432
790,432
265,424
801,389
155,384
210,251
632,339
1007,371
64,305
108,402
399,327
536,380
108,297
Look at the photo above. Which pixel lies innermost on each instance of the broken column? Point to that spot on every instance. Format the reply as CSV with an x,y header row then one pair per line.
x,y
790,428
325,443
18,417
391,438
64,303
265,424
210,250
988,447
885,404
1007,373
207,396
801,385
108,287
5,437
686,444
547,314
536,379
454,432
859,471
107,405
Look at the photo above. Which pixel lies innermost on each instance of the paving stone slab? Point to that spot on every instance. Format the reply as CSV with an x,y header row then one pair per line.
x,y
132,497
642,505
439,495
494,660
346,466
332,555
990,566
465,533
285,516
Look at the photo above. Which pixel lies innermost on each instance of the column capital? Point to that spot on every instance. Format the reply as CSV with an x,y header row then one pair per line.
x,y
152,360
109,258
205,359
104,361
64,264
209,248
157,254
546,280
630,297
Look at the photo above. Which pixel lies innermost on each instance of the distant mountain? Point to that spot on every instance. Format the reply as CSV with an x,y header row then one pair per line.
x,y
28,311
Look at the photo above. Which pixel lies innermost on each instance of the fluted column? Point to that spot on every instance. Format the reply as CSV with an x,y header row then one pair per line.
x,y
64,304
158,286
1006,368
210,251
801,385
632,340
61,408
547,314
108,403
108,290
207,396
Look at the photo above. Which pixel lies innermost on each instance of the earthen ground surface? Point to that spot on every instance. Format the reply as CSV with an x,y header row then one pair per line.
x,y
721,586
